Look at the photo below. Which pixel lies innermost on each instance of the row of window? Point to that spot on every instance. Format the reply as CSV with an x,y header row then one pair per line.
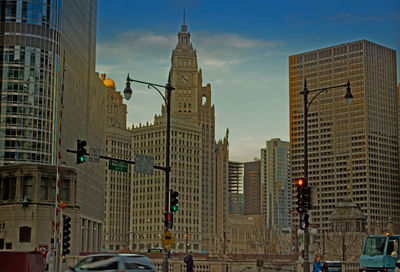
x,y
29,11
47,188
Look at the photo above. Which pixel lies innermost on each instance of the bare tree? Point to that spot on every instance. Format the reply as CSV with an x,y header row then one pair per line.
x,y
343,246
269,240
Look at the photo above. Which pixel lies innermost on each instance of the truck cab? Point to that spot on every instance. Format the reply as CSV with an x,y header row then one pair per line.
x,y
380,253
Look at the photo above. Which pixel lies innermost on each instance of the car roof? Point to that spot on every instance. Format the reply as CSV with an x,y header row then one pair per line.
x,y
116,254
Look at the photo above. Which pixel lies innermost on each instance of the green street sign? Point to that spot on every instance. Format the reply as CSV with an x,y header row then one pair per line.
x,y
118,166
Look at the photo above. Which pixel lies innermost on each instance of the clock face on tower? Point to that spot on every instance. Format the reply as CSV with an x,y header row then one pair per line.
x,y
185,79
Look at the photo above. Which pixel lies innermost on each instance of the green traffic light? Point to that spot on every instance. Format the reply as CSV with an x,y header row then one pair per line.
x,y
175,208
82,159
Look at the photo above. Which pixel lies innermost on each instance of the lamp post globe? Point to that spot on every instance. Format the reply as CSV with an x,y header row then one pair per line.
x,y
128,90
348,96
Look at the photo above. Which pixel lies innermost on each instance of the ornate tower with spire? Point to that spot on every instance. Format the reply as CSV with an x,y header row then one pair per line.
x,y
192,102
185,76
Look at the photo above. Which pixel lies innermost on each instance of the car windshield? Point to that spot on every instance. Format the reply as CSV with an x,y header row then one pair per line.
x,y
99,262
138,262
374,246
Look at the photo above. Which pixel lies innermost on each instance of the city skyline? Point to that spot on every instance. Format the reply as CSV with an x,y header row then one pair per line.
x,y
245,61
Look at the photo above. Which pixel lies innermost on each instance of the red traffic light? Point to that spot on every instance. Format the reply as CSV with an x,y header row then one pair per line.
x,y
300,182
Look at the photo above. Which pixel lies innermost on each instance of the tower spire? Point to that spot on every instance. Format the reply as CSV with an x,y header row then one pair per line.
x,y
184,35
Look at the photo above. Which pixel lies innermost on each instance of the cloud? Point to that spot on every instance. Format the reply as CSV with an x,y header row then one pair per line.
x,y
223,51
245,148
349,18
217,52
219,63
236,42
135,44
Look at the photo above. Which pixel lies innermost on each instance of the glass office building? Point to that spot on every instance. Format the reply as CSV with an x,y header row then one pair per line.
x,y
30,63
47,59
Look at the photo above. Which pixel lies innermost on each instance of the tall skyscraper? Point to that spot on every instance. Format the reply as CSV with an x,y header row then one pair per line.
x,y
235,188
117,184
252,187
192,102
275,178
46,63
353,149
193,158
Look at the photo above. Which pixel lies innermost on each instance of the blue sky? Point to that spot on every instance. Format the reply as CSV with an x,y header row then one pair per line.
x,y
242,48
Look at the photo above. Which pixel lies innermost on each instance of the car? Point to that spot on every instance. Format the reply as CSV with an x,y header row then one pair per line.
x,y
114,262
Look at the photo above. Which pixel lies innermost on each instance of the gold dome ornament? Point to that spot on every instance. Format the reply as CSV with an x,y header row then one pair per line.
x,y
108,82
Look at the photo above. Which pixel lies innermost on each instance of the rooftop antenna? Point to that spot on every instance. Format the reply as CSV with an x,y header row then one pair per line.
x,y
184,15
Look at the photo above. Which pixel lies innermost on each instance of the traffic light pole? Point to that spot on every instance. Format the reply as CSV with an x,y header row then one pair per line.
x,y
167,169
168,88
305,93
348,96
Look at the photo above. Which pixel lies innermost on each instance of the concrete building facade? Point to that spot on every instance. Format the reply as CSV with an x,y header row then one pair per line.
x,y
222,194
252,187
116,231
28,225
148,191
193,159
353,149
192,102
275,178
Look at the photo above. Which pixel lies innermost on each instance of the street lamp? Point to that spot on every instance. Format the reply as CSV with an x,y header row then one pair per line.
x,y
167,99
348,96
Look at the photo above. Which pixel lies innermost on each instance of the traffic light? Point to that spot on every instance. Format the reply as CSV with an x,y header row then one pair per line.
x,y
168,220
173,207
80,151
300,195
307,198
66,233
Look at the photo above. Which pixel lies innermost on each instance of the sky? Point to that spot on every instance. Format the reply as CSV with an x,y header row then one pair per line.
x,y
243,49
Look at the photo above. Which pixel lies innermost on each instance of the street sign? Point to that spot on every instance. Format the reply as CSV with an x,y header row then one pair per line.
x,y
94,154
118,166
167,240
144,164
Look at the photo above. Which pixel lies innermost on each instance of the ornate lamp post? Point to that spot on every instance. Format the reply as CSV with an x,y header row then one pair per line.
x,y
167,99
348,96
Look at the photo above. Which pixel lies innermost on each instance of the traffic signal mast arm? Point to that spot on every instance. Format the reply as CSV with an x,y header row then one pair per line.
x,y
122,160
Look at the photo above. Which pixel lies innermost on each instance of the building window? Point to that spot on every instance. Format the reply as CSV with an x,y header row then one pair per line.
x,y
44,189
27,187
25,234
65,189
8,188
52,195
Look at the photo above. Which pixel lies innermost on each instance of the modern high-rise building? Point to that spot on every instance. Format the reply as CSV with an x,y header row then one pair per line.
x,y
235,188
252,187
353,149
47,60
117,184
275,179
193,161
